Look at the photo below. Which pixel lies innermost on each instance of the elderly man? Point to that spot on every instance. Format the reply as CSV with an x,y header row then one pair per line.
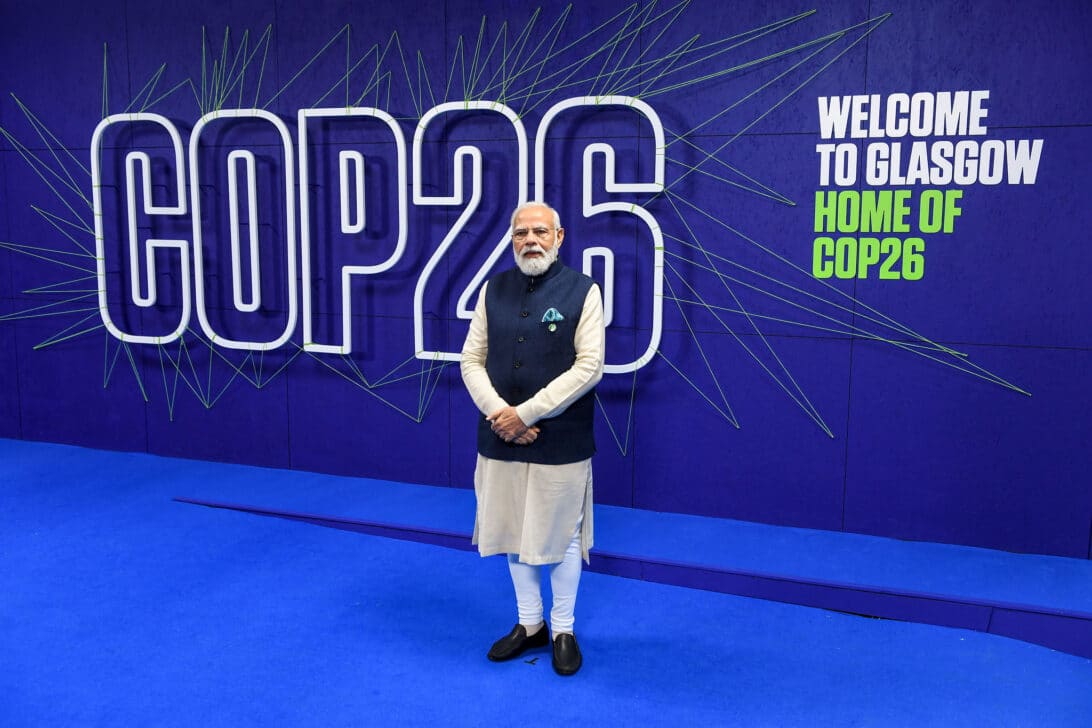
x,y
531,361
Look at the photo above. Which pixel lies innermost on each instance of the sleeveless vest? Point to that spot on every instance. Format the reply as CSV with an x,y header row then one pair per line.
x,y
532,329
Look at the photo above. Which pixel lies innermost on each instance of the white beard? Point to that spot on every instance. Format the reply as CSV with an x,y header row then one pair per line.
x,y
535,266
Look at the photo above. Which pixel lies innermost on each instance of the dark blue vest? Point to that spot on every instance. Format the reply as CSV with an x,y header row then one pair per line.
x,y
527,350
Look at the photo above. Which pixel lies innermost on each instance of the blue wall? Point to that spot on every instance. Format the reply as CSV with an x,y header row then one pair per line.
x,y
949,403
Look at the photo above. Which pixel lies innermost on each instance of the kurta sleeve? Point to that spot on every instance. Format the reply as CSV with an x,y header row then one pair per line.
x,y
585,373
475,349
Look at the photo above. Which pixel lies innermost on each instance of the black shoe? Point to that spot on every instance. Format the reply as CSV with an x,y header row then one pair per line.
x,y
567,659
516,642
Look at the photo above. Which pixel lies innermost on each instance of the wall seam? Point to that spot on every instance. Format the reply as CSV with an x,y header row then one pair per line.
x,y
136,354
14,333
1089,538
853,337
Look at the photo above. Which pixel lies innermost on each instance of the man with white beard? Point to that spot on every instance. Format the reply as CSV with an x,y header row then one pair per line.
x,y
531,360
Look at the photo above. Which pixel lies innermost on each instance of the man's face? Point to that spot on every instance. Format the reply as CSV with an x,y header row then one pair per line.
x,y
534,240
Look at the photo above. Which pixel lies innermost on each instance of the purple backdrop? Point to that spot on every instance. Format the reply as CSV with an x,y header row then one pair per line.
x,y
950,408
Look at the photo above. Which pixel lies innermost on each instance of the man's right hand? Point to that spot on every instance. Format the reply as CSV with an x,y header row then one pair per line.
x,y
506,424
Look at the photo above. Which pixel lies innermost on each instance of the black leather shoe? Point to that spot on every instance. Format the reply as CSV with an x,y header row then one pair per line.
x,y
567,659
516,642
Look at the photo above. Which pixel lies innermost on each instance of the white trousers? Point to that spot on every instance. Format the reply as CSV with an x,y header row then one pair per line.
x,y
564,581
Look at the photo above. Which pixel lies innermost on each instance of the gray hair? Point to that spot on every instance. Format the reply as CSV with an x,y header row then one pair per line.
x,y
535,203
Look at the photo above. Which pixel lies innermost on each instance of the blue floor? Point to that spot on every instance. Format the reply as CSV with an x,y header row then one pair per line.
x,y
973,574
121,606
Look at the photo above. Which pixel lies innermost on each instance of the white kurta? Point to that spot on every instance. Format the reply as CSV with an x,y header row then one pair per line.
x,y
531,509
527,508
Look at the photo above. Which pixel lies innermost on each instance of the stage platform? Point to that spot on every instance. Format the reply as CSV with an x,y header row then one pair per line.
x,y
1040,599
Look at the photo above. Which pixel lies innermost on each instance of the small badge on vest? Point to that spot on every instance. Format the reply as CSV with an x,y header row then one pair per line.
x,y
552,316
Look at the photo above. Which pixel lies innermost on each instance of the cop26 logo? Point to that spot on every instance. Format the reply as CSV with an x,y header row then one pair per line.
x,y
149,179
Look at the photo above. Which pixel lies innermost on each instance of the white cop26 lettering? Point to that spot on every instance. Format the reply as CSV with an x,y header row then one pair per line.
x,y
242,175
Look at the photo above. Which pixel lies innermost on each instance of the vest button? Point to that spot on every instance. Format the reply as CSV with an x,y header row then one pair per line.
x,y
523,314
521,339
517,365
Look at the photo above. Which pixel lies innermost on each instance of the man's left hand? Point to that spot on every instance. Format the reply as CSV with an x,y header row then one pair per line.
x,y
529,436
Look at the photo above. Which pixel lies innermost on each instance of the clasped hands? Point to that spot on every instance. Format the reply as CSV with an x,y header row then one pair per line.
x,y
508,426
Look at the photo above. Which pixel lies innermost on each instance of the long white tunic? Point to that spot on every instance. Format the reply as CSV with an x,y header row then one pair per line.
x,y
528,508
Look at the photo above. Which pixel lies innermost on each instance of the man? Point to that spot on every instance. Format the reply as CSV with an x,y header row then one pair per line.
x,y
531,361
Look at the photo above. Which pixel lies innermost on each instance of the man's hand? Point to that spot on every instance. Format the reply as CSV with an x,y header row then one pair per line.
x,y
507,425
529,436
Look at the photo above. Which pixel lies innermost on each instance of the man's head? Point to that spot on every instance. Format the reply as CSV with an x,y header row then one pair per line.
x,y
536,236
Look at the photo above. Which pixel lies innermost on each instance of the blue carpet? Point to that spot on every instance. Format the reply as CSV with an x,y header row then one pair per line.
x,y
960,572
122,607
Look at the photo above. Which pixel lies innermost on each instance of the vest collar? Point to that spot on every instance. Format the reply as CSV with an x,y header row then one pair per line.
x,y
552,271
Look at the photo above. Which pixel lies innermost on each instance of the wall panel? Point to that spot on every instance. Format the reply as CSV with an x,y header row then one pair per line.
x,y
890,400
